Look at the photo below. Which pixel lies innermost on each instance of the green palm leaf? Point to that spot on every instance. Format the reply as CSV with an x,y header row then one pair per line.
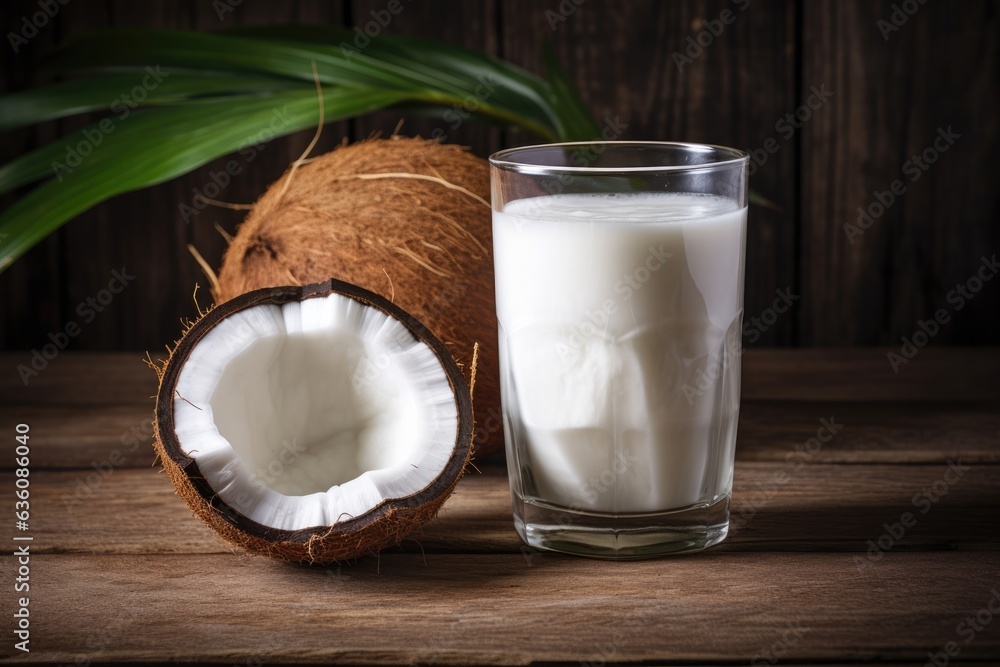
x,y
431,73
218,90
515,83
114,91
159,144
574,117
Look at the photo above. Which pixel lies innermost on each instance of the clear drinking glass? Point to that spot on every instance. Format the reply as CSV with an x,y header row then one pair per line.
x,y
619,286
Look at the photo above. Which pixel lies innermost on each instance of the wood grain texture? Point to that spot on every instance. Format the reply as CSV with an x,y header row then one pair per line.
x,y
873,432
893,91
946,375
258,168
79,378
815,565
949,375
32,288
776,507
88,408
79,436
501,610
146,232
469,24
890,97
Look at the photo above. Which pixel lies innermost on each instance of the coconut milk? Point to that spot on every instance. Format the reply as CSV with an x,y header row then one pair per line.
x,y
620,319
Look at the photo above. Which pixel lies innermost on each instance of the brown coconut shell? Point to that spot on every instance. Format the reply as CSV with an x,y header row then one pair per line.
x,y
369,533
405,218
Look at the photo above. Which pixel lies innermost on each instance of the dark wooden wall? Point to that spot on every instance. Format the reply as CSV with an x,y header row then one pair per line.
x,y
940,69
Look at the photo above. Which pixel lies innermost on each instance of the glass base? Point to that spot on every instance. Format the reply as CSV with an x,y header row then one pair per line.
x,y
621,536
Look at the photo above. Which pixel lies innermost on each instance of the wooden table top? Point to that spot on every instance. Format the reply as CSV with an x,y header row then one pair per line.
x,y
818,568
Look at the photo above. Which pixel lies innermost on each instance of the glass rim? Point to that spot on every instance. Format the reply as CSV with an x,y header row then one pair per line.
x,y
505,159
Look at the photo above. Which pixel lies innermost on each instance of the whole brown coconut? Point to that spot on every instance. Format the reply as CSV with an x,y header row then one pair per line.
x,y
405,218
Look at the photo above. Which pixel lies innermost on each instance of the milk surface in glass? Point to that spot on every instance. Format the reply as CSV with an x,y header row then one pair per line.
x,y
620,318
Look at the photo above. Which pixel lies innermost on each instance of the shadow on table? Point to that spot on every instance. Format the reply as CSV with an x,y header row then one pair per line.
x,y
966,524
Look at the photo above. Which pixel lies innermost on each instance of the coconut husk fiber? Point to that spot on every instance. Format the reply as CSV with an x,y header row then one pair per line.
x,y
405,218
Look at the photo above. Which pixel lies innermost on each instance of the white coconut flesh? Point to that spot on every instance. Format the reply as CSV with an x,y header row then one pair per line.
x,y
313,412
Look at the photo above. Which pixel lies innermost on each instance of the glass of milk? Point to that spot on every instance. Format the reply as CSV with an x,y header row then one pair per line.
x,y
619,290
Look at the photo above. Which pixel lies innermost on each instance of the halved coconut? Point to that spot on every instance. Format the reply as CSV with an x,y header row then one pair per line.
x,y
314,424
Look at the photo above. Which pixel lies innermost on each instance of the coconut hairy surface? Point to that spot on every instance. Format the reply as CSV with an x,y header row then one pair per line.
x,y
313,424
405,218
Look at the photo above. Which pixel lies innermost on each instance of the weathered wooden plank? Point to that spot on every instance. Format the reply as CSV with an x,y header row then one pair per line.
x,y
72,436
253,169
897,88
891,94
76,436
864,374
77,378
147,232
642,83
870,432
122,262
469,24
501,610
776,507
122,233
948,375
256,167
32,288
